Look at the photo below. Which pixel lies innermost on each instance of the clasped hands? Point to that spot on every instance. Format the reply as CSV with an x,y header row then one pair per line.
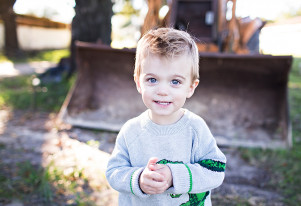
x,y
155,178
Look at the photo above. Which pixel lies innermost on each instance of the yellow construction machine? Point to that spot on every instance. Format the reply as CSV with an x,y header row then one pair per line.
x,y
242,94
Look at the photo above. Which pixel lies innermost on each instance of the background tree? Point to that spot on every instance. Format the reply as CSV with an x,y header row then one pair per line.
x,y
7,14
91,23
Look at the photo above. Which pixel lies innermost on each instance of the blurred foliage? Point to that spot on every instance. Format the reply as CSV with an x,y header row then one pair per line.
x,y
3,58
294,12
126,9
93,143
285,165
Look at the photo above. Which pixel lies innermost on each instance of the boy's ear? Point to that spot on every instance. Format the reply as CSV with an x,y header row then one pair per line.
x,y
192,87
136,79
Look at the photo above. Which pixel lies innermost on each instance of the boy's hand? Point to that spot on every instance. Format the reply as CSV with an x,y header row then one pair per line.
x,y
153,179
165,171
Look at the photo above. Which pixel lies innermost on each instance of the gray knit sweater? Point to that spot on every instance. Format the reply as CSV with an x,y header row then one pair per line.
x,y
187,147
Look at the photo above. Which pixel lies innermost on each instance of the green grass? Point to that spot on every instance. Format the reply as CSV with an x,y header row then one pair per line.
x,y
24,181
71,183
285,165
18,93
30,56
48,185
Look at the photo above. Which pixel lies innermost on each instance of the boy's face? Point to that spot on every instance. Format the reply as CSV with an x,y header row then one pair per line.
x,y
164,85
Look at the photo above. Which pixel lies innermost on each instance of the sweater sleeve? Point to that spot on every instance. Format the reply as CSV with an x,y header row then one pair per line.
x,y
120,173
207,168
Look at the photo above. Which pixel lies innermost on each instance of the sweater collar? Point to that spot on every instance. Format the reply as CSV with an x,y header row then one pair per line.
x,y
157,129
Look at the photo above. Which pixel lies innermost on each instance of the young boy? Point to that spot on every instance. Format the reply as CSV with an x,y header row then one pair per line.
x,y
167,155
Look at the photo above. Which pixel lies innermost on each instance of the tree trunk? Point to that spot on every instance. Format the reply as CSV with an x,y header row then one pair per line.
x,y
11,46
92,23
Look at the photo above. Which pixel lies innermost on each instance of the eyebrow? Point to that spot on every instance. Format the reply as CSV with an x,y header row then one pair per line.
x,y
175,75
180,76
150,74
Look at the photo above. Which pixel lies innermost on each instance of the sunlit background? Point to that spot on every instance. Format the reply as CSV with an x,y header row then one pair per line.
x,y
285,35
62,10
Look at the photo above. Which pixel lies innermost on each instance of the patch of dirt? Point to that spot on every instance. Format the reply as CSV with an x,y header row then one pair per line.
x,y
41,139
246,183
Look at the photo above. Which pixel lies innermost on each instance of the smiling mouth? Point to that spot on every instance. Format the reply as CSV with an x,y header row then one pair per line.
x,y
162,103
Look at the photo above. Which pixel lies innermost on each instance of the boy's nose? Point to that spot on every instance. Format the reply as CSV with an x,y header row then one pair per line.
x,y
162,90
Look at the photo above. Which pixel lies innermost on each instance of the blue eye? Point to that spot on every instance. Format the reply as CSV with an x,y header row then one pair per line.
x,y
175,82
152,80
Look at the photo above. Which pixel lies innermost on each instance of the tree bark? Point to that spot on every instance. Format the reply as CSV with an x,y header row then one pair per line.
x,y
91,23
11,45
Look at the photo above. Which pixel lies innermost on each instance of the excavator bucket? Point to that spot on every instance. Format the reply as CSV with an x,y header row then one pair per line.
x,y
243,98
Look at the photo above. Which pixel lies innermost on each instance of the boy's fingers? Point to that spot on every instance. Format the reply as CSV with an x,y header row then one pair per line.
x,y
157,185
152,190
157,177
153,183
151,163
159,166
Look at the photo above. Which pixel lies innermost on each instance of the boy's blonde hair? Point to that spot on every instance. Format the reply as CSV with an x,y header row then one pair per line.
x,y
168,43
